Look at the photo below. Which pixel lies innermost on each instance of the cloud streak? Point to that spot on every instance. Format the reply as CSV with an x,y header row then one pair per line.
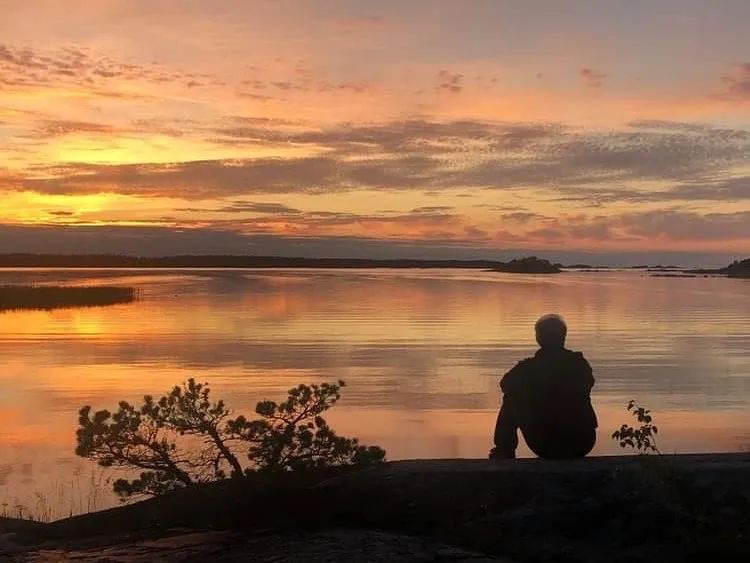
x,y
23,67
696,162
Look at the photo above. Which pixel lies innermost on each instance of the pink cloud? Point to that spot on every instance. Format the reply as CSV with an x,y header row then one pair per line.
x,y
450,81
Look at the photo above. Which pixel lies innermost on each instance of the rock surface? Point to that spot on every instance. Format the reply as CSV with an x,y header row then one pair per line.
x,y
228,547
684,508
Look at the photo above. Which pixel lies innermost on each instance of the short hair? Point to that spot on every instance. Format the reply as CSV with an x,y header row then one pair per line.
x,y
551,331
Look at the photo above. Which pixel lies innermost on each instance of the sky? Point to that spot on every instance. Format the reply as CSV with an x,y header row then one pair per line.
x,y
609,129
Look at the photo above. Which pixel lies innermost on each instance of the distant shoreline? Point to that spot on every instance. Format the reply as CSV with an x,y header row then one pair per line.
x,y
522,265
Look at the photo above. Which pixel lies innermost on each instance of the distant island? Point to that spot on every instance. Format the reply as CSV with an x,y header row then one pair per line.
x,y
528,265
737,269
664,269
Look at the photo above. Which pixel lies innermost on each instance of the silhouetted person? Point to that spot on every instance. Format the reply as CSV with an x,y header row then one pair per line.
x,y
548,398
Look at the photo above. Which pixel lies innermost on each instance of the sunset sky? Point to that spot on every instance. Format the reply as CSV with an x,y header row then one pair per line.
x,y
376,128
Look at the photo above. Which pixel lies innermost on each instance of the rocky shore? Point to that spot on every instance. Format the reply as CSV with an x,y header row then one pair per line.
x,y
635,508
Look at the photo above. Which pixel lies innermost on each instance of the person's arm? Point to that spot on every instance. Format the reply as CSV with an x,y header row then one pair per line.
x,y
587,378
506,431
586,374
506,427
511,380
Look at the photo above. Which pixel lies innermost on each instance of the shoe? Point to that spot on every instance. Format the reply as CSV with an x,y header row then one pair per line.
x,y
497,454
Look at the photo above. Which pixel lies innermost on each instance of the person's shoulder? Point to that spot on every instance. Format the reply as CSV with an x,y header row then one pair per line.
x,y
575,355
577,359
523,364
516,371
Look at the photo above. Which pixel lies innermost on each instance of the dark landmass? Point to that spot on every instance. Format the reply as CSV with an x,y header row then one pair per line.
x,y
595,270
529,265
737,269
14,297
666,269
589,269
621,509
520,265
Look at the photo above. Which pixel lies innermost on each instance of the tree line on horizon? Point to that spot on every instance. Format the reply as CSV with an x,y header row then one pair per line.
x,y
531,264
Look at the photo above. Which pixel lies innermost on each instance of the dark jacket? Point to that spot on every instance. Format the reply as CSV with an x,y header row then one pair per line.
x,y
550,393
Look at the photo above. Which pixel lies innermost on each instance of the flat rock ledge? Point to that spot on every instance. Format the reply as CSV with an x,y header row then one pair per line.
x,y
228,547
614,509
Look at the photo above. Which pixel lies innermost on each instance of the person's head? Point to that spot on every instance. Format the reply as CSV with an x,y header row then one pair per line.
x,y
551,331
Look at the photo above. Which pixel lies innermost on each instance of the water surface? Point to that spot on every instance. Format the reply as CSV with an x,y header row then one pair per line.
x,y
421,352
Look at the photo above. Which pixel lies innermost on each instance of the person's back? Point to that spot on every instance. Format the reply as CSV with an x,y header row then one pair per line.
x,y
548,398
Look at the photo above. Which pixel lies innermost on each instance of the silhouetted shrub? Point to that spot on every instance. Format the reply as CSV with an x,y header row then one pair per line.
x,y
294,436
289,436
642,438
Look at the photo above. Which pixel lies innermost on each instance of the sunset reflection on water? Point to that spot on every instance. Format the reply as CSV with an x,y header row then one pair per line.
x,y
421,352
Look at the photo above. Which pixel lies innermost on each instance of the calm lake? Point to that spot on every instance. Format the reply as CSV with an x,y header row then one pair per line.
x,y
421,353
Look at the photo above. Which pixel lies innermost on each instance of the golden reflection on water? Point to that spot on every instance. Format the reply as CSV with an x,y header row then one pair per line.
x,y
421,352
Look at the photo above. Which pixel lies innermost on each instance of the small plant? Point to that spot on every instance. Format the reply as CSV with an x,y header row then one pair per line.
x,y
642,438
